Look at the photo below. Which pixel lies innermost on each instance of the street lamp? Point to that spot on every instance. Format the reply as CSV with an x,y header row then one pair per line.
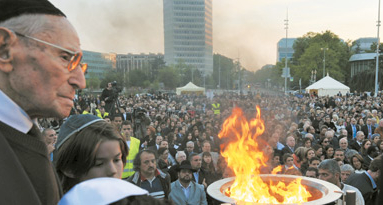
x,y
287,28
324,60
377,56
313,76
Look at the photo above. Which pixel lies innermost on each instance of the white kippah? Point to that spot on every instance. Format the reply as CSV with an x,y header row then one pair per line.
x,y
102,190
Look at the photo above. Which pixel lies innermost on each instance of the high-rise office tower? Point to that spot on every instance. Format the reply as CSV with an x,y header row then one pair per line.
x,y
188,33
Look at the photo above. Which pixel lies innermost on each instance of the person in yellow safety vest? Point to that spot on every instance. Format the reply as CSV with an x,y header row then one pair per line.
x,y
216,109
101,113
134,147
86,110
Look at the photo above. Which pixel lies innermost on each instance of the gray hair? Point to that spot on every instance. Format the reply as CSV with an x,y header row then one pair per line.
x,y
190,143
28,24
347,167
329,133
350,153
178,154
331,165
359,133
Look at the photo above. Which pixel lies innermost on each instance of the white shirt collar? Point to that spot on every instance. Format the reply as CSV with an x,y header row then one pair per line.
x,y
13,115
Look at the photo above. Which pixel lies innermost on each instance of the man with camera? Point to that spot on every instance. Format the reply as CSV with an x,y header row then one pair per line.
x,y
107,96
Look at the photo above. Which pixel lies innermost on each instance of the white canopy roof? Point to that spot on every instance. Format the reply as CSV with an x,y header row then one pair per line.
x,y
190,88
328,86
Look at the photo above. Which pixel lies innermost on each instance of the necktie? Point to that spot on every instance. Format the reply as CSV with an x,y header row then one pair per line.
x,y
353,131
369,131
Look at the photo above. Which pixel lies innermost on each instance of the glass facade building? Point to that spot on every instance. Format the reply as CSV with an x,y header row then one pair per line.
x,y
129,62
361,62
188,33
99,63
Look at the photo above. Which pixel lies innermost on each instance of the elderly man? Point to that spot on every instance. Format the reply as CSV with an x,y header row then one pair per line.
x,y
290,145
366,182
40,71
180,157
185,190
343,144
368,129
148,177
50,137
189,148
356,143
345,171
329,171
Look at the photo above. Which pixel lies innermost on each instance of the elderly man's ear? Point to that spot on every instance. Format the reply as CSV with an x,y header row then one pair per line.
x,y
7,38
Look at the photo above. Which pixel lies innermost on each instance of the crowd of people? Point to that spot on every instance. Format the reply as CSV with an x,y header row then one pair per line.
x,y
165,148
302,132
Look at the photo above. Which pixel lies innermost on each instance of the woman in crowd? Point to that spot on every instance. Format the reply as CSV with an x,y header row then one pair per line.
x,y
339,124
329,150
289,166
163,163
207,162
310,153
380,145
357,163
306,142
319,151
88,147
186,139
375,139
150,138
299,156
365,145
324,141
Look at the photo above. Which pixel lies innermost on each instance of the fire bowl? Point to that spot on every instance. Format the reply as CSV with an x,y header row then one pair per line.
x,y
322,192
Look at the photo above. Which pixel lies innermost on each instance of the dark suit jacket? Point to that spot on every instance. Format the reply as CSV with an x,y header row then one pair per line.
x,y
354,145
363,183
365,130
349,131
287,149
366,161
203,175
27,175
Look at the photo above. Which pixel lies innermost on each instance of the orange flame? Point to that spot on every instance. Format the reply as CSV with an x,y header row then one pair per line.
x,y
244,156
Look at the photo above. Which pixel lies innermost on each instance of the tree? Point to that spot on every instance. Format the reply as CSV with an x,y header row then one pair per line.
x,y
112,76
137,78
223,68
170,76
309,56
93,82
156,65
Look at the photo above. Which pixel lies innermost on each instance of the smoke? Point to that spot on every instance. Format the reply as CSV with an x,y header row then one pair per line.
x,y
244,29
120,26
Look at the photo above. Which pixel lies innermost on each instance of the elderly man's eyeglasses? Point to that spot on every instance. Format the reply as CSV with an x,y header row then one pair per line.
x,y
74,60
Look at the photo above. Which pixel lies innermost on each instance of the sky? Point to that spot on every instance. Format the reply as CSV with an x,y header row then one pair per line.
x,y
247,30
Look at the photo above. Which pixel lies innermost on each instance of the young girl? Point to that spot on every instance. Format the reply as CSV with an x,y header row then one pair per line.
x,y
207,162
87,148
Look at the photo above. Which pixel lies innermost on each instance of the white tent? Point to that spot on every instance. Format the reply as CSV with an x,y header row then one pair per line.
x,y
190,88
327,86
